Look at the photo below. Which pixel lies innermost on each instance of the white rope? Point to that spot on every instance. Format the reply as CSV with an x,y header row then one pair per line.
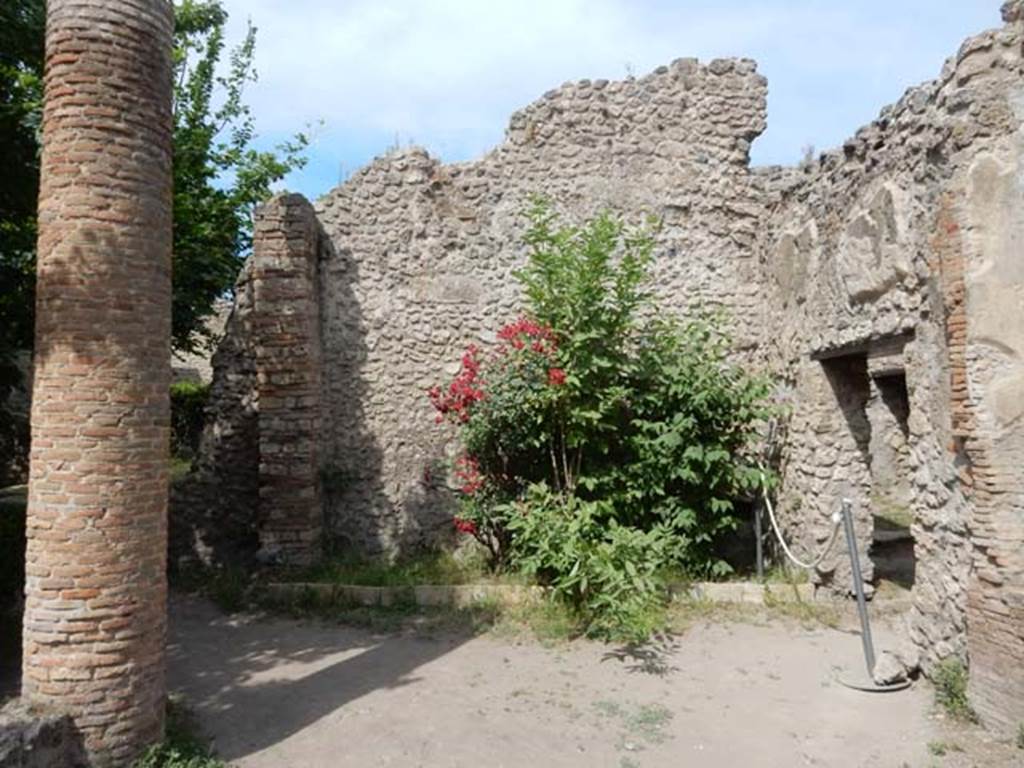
x,y
836,520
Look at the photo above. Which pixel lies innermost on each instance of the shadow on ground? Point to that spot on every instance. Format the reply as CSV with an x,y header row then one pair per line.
x,y
264,686
278,692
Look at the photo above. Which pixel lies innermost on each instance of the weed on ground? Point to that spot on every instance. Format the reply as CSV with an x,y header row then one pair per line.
x,y
425,570
950,680
183,746
685,613
640,725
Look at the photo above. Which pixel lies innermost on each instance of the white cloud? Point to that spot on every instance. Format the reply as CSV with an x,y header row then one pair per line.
x,y
447,73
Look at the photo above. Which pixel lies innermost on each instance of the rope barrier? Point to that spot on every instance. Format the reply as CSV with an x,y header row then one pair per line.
x,y
837,520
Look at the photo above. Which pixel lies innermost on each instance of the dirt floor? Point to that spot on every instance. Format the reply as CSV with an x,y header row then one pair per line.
x,y
278,692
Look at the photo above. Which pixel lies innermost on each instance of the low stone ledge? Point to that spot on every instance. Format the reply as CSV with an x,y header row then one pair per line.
x,y
31,737
427,595
465,595
750,592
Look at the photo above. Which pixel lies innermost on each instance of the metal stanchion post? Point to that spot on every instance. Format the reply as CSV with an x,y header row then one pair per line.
x,y
862,609
858,586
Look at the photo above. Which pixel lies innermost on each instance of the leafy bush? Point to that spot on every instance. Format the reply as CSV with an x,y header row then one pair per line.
x,y
188,406
950,680
603,439
608,572
182,746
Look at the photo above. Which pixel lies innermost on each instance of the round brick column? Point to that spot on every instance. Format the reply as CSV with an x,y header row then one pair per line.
x,y
95,609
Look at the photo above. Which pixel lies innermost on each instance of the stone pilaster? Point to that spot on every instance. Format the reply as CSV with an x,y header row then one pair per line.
x,y
286,326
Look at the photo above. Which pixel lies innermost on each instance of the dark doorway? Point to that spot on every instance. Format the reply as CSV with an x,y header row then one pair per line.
x,y
892,550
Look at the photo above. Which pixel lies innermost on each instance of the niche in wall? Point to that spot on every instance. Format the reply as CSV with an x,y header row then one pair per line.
x,y
869,381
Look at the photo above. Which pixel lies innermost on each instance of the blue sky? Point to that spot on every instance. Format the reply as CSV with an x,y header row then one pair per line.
x,y
446,74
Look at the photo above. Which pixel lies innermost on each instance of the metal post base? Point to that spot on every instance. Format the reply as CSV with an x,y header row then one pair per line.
x,y
870,686
867,682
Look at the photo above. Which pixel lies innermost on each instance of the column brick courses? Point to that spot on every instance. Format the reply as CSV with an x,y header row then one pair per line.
x,y
95,609
286,327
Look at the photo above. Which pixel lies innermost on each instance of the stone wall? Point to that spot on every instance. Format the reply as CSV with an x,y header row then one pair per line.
x,y
214,510
895,252
879,282
35,738
423,255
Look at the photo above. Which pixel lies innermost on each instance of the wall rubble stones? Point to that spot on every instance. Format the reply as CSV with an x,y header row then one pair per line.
x,y
895,254
213,516
34,738
911,232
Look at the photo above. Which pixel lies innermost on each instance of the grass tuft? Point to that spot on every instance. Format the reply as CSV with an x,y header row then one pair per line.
x,y
183,745
950,680
428,569
227,587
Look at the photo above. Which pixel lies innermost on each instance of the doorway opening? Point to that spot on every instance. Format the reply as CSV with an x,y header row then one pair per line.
x,y
892,549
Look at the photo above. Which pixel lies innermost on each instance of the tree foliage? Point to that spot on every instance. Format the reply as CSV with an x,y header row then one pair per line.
x,y
604,438
21,65
219,176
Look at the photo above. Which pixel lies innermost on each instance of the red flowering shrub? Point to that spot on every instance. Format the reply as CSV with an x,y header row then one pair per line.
x,y
603,439
500,401
454,403
467,473
465,526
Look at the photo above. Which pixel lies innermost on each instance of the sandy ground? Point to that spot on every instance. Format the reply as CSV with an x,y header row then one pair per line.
x,y
277,692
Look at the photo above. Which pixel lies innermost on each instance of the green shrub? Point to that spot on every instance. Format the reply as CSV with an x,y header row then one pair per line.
x,y
14,422
182,746
12,545
607,572
188,405
950,680
626,430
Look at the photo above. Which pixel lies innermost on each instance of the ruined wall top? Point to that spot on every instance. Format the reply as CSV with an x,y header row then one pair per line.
x,y
423,254
684,101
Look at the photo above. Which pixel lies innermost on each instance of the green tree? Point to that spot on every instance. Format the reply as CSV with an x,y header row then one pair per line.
x,y
219,177
21,64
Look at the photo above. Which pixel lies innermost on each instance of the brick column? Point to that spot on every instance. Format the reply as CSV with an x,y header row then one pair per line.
x,y
286,327
95,609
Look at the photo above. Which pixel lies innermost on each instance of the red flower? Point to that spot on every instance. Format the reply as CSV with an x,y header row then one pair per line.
x,y
462,393
467,472
465,526
556,377
523,332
